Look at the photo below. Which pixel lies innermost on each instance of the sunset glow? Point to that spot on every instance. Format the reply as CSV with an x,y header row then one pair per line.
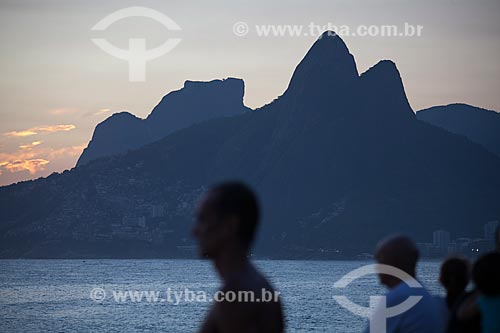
x,y
40,129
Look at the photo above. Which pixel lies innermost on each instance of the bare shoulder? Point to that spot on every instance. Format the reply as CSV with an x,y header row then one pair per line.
x,y
247,304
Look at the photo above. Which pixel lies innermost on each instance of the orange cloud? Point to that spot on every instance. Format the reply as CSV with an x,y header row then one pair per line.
x,y
55,128
96,113
101,111
20,133
33,166
40,129
63,111
31,145
34,159
67,151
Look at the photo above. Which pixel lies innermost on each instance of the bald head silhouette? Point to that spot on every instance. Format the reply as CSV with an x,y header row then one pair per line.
x,y
398,251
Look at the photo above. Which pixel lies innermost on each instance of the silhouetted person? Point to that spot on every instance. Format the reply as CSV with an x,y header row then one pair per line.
x,y
455,276
423,317
486,300
226,222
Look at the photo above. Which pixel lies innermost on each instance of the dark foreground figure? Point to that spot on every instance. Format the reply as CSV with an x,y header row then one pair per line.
x,y
485,301
226,222
455,276
424,317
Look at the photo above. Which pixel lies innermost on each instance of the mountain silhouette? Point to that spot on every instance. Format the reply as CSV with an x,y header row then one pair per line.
x,y
194,103
479,125
338,161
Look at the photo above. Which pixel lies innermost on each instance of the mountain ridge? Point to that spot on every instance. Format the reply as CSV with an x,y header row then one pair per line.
x,y
479,125
335,169
195,102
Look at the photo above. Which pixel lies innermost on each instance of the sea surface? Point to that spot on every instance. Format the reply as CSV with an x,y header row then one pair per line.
x,y
56,295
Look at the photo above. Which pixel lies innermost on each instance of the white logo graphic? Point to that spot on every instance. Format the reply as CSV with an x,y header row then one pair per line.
x,y
240,29
98,294
378,312
137,55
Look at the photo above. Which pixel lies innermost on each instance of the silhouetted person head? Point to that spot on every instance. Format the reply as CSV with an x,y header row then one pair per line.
x,y
397,251
454,276
227,219
486,274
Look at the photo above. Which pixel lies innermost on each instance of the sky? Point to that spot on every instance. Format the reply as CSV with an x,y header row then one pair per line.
x,y
56,84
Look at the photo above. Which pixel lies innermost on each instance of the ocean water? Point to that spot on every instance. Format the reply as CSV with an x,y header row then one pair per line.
x,y
55,295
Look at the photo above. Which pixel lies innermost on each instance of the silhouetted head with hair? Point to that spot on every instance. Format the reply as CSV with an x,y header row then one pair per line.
x,y
227,219
486,274
454,276
397,251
